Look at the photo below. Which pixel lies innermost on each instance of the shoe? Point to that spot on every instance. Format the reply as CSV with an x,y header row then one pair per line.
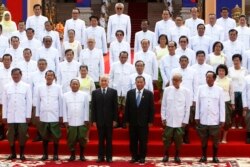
x,y
203,159
22,158
72,158
109,160
133,160
215,160
55,158
82,158
233,127
177,160
142,161
99,160
11,157
224,142
240,127
165,159
44,157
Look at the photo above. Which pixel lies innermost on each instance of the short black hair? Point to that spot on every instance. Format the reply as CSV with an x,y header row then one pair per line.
x,y
224,8
237,56
183,57
7,55
145,20
123,52
140,77
185,37
77,10
72,30
50,22
14,37
200,52
201,24
51,72
27,49
233,30
222,66
68,50
163,35
121,31
214,74
93,17
16,69
175,44
218,42
30,29
37,5
244,16
139,61
84,66
42,59
74,80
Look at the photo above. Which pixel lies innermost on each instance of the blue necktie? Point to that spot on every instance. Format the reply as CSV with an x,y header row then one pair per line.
x,y
138,98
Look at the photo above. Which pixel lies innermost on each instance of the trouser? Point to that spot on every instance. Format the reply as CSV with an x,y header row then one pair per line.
x,y
17,131
228,120
238,108
172,135
138,136
121,107
1,124
50,129
247,119
105,134
76,134
1,117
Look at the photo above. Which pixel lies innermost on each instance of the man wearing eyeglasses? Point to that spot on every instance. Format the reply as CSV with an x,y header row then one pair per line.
x,y
119,21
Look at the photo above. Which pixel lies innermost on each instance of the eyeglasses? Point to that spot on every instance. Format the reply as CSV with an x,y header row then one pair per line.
x,y
119,8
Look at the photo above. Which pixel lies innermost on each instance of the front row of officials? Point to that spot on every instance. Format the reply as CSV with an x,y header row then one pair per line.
x,y
139,114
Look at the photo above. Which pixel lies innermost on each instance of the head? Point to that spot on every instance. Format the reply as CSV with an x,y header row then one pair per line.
x,y
224,12
183,60
48,25
123,57
200,57
237,59
144,25
42,65
50,76
166,15
30,32
47,41
212,19
179,21
163,40
83,69
69,55
7,16
15,42
172,45
201,29
91,43
194,12
119,35
140,82
75,13
145,43
93,21
37,8
233,35
242,20
16,74
119,8
21,26
27,53
71,34
176,80
104,81
139,66
218,47
222,70
7,59
210,78
183,41
1,28
74,85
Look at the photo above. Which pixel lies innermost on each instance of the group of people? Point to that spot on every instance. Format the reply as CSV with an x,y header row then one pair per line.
x,y
201,69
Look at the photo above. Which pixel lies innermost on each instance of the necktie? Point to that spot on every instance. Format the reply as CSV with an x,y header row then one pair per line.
x,y
138,98
103,91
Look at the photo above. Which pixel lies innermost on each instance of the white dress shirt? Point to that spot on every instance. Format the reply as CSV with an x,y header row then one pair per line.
x,y
75,108
150,61
201,71
246,55
226,24
119,77
119,22
140,35
148,81
175,106
5,78
99,34
215,32
17,102
4,44
37,23
192,25
33,44
79,26
244,36
246,92
95,62
210,105
17,55
176,32
201,43
21,35
237,77
116,48
189,53
163,27
49,103
75,46
28,68
67,72
56,43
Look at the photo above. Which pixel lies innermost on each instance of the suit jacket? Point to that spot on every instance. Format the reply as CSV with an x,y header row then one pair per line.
x,y
104,107
144,113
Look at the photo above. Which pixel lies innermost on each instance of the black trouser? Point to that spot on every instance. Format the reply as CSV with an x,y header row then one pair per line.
x,y
104,134
138,134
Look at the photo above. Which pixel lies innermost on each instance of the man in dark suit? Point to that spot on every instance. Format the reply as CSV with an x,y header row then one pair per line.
x,y
139,114
104,117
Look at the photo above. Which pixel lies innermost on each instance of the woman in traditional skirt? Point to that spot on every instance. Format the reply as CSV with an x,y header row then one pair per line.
x,y
226,84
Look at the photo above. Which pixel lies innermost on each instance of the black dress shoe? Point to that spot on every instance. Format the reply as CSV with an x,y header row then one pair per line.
x,y
55,158
72,158
165,159
11,157
215,160
44,158
82,158
203,159
177,160
142,161
133,160
99,160
109,160
1,137
22,157
37,138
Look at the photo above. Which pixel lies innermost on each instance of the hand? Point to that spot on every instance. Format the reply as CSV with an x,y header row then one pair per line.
x,y
167,84
86,123
150,125
233,106
193,105
114,123
4,121
183,125
27,120
244,113
94,124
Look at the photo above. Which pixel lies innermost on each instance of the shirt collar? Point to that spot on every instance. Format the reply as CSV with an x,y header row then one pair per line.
x,y
137,91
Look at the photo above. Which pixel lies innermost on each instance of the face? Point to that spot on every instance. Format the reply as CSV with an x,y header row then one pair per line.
x,y
145,45
233,36
71,35
15,43
218,47
16,76
144,26
104,82
91,43
201,30
123,58
242,21
119,9
50,76
176,80
224,14
83,72
29,34
75,85
42,65
165,15
69,56
140,83
21,26
27,55
236,62
183,43
7,17
37,10
6,61
183,63
194,13
48,26
119,36
178,21
75,14
209,79
94,22
171,48
139,67
212,19
200,58
163,41
221,72
47,42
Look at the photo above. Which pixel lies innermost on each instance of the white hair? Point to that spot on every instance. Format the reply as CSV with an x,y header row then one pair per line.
x,y
119,4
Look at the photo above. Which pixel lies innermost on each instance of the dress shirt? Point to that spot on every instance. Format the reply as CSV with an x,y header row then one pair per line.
x,y
95,62
75,108
246,92
151,65
79,26
215,32
99,34
210,105
201,70
163,27
28,68
189,53
67,72
116,48
119,77
4,44
17,102
37,23
176,32
175,107
244,36
5,78
49,102
237,77
227,86
75,46
119,22
33,44
201,43
21,35
140,35
148,81
17,55
246,55
192,25
227,24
